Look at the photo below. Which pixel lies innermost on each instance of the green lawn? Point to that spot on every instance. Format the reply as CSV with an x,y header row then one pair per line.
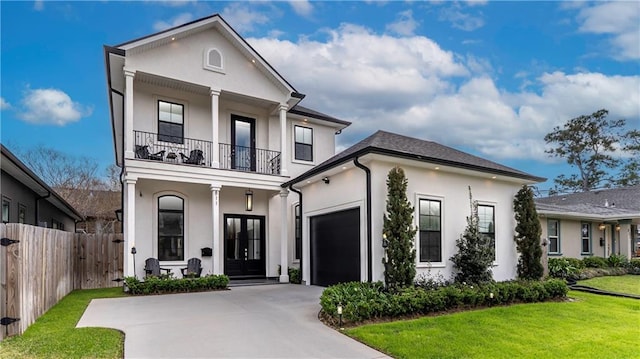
x,y
593,326
629,284
54,334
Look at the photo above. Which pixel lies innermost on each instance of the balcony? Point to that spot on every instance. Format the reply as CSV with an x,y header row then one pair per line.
x,y
188,151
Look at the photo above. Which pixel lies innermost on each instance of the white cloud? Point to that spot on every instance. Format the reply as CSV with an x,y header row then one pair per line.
x,y
301,7
176,21
174,3
243,17
476,2
618,19
4,105
404,25
410,85
38,5
461,20
51,106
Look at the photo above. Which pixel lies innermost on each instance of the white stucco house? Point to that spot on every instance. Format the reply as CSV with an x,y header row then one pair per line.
x,y
221,162
595,223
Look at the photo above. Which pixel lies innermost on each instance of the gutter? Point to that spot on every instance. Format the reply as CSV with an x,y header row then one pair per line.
x,y
369,236
294,228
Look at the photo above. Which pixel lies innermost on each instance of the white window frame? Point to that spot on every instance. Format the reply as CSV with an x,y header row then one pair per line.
x,y
154,239
416,216
495,227
208,66
293,143
185,121
557,237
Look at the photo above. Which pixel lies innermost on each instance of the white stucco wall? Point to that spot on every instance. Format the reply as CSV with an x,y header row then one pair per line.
x,y
571,239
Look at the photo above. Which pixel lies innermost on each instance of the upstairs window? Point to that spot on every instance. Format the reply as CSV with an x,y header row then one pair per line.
x,y
213,60
487,224
170,122
303,143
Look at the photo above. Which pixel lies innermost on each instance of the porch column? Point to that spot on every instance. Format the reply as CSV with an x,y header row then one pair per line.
x,y
215,137
215,210
128,113
129,227
283,140
284,237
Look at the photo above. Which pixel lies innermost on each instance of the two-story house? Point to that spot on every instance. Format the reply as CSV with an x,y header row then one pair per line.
x,y
206,131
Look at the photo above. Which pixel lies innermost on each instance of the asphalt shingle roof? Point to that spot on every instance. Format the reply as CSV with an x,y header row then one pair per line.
x,y
392,144
624,197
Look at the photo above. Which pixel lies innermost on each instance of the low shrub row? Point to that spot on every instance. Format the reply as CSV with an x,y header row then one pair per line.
x,y
161,285
590,267
364,301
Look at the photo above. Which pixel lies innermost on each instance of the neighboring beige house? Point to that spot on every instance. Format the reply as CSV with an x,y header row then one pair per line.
x,y
596,223
222,163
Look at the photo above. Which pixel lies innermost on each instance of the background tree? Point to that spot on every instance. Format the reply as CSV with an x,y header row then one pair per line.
x,y
400,232
475,251
527,238
630,173
587,142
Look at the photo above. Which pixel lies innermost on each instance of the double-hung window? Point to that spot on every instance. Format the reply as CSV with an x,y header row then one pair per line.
x,y
430,223
303,143
585,236
170,228
487,224
553,233
170,122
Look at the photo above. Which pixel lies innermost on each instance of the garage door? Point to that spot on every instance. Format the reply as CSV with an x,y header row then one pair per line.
x,y
335,247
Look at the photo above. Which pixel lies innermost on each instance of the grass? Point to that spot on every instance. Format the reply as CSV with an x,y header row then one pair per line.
x,y
592,326
54,334
629,284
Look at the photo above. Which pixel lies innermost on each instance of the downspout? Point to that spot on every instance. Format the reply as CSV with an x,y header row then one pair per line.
x,y
368,219
294,226
38,207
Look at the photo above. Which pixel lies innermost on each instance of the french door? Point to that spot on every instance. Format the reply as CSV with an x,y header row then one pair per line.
x,y
244,246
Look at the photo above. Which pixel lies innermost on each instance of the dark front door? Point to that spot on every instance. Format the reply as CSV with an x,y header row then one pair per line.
x,y
244,246
243,143
335,247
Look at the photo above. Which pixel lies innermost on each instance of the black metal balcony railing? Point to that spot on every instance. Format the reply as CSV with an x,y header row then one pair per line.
x,y
249,159
172,149
182,150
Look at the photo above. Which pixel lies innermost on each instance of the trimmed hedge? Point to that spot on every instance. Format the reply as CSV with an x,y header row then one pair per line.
x,y
162,285
591,267
595,262
364,301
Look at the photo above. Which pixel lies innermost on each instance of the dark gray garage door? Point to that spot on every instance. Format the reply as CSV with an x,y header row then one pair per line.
x,y
335,247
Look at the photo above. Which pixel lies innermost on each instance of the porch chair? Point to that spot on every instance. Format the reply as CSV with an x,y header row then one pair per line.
x,y
195,157
144,153
194,268
152,267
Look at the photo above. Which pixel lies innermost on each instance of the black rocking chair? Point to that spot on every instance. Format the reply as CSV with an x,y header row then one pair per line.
x,y
152,267
195,157
144,153
194,268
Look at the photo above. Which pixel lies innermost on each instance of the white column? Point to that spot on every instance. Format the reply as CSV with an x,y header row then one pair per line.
x,y
129,228
215,136
217,244
284,159
284,237
128,113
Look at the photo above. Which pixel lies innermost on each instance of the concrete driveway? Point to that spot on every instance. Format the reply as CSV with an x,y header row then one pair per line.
x,y
268,321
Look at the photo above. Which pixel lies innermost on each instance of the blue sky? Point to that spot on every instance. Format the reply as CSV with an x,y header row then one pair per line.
x,y
490,78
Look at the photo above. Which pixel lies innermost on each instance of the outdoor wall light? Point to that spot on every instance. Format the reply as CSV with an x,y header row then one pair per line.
x,y
602,226
617,227
326,180
249,200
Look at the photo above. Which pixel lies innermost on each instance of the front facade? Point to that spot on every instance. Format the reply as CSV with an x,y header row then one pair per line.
x,y
29,200
206,132
595,223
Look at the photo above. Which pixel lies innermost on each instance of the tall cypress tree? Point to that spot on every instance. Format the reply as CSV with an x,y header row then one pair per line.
x,y
400,232
528,232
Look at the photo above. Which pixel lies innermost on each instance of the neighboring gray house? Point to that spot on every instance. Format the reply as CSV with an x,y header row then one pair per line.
x,y
27,199
596,223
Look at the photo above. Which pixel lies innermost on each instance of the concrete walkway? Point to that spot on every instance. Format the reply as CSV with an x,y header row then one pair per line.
x,y
270,321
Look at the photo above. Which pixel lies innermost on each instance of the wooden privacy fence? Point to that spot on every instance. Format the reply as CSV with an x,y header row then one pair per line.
x,y
39,266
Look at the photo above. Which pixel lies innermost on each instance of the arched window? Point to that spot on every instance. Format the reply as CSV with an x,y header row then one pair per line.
x,y
170,228
213,60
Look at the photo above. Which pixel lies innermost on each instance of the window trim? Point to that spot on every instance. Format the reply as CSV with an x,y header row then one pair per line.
x,y
185,234
6,200
589,237
207,65
495,225
558,237
184,120
297,160
443,252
